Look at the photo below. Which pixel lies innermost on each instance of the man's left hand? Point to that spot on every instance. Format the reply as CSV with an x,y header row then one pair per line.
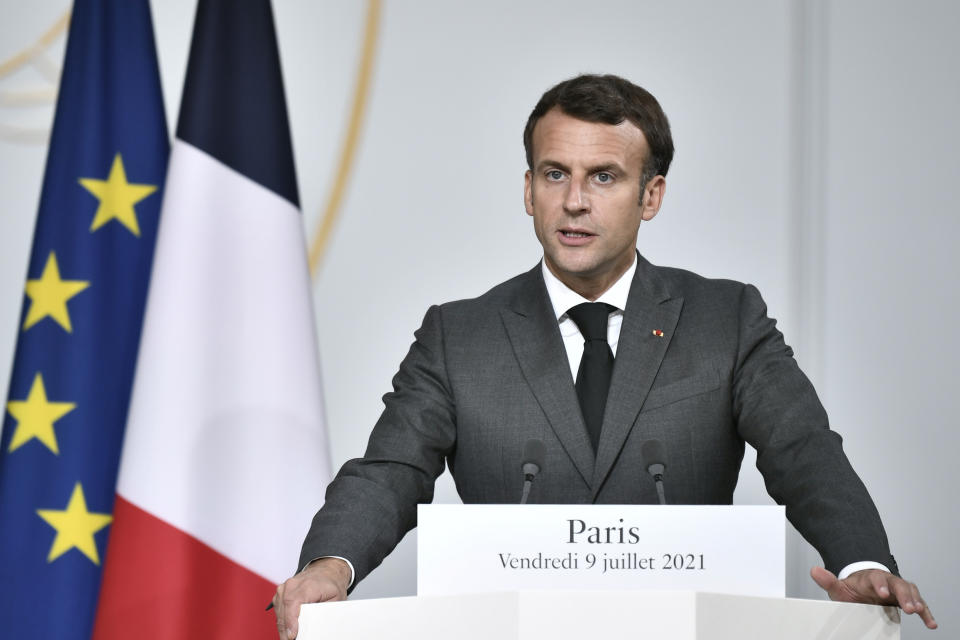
x,y
873,586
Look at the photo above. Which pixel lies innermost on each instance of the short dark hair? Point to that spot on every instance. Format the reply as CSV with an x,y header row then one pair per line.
x,y
609,99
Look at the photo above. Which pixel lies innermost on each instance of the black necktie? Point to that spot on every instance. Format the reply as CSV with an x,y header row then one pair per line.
x,y
596,365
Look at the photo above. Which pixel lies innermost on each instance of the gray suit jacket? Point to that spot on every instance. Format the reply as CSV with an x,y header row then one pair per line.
x,y
487,374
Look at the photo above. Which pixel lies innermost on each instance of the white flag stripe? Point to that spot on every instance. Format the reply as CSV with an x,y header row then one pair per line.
x,y
225,434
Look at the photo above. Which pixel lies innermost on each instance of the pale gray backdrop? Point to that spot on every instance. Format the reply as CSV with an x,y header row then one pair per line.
x,y
816,157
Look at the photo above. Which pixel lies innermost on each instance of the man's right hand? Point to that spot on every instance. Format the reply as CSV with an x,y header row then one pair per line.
x,y
323,580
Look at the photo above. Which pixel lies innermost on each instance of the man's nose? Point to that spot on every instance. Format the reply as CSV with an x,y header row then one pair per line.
x,y
576,201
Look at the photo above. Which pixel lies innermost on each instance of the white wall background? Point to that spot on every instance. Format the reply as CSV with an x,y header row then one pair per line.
x,y
816,155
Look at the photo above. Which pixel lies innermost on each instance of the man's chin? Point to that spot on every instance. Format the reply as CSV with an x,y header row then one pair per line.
x,y
580,268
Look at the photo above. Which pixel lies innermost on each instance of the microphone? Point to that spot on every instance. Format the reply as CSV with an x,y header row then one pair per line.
x,y
655,459
534,453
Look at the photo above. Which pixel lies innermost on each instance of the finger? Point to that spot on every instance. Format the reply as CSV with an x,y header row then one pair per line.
x,y
903,595
915,594
921,607
278,611
879,580
291,613
927,616
824,579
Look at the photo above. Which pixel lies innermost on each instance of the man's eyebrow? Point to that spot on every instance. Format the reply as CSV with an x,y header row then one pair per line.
x,y
554,164
609,167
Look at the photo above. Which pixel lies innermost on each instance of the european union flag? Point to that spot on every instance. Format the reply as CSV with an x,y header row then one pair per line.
x,y
80,325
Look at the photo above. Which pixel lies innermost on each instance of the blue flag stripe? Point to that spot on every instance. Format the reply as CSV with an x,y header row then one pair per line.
x,y
233,105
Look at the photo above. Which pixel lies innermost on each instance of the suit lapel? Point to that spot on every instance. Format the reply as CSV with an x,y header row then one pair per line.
x,y
535,337
650,307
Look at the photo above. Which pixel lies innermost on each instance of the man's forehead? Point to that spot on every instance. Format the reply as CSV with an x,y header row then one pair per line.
x,y
558,135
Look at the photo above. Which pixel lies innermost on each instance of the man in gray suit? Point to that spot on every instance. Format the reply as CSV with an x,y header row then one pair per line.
x,y
696,364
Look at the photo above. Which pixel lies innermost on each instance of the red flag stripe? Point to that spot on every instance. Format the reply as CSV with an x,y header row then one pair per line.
x,y
162,583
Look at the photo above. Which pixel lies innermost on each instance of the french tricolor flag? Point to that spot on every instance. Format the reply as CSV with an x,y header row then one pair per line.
x,y
225,456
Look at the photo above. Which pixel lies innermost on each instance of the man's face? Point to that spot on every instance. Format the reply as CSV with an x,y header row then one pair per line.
x,y
585,197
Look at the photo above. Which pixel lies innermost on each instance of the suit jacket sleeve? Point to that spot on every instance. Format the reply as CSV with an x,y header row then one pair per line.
x,y
371,504
800,458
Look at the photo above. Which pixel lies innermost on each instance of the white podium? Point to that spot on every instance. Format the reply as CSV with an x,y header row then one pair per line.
x,y
575,615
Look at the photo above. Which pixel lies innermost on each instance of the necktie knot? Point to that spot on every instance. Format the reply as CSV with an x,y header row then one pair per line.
x,y
591,319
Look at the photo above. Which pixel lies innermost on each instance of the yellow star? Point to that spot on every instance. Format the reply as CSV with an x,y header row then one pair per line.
x,y
117,197
75,527
49,296
35,417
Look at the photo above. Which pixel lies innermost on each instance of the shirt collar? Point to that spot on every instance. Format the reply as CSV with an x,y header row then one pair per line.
x,y
563,297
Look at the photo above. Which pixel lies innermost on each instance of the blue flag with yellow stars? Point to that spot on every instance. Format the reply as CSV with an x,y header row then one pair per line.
x,y
80,324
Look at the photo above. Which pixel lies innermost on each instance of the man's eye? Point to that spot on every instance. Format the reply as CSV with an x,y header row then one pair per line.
x,y
554,175
604,178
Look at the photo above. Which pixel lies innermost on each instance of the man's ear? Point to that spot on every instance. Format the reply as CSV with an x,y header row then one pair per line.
x,y
652,197
528,192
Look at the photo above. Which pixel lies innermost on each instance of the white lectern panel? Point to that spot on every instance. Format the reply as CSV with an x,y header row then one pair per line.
x,y
723,549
